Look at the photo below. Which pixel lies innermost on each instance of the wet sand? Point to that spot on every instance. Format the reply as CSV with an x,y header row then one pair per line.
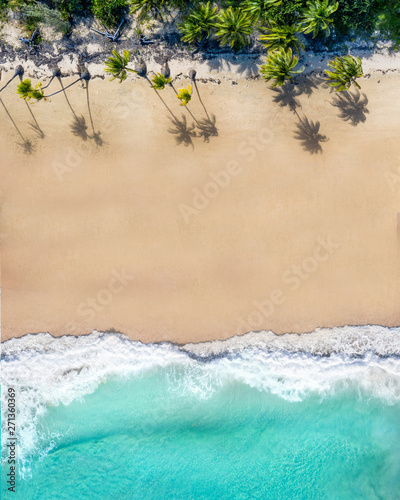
x,y
203,228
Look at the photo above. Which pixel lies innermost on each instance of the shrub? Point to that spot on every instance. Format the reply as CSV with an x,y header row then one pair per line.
x,y
355,17
109,12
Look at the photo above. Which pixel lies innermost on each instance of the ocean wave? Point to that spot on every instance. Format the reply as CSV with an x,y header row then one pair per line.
x,y
47,371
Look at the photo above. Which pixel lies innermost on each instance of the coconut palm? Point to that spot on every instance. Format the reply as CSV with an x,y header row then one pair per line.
x,y
346,70
199,23
280,67
316,17
117,65
233,28
160,81
27,92
19,71
278,36
259,9
185,95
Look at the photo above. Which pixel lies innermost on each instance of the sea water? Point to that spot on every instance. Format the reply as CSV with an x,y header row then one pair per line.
x,y
259,416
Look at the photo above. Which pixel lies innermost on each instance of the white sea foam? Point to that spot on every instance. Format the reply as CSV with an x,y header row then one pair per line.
x,y
47,371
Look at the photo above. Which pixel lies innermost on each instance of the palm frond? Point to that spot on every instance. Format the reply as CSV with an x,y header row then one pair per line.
x,y
117,65
345,71
233,28
280,66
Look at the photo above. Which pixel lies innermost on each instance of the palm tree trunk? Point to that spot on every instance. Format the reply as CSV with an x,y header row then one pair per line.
x,y
186,107
85,76
19,71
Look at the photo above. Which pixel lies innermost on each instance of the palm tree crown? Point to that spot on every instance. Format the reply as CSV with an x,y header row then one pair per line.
x,y
160,81
282,36
280,66
199,23
27,92
346,70
117,65
316,16
184,95
234,26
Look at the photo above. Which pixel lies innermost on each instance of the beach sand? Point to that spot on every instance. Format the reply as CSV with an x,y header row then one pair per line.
x,y
207,238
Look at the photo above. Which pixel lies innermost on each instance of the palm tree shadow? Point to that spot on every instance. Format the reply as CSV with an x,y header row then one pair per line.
x,y
308,134
307,84
27,145
79,128
208,128
352,107
286,96
184,133
34,124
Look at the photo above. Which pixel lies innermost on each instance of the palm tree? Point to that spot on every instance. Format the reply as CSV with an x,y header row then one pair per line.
x,y
185,95
27,92
117,65
19,71
280,66
197,26
259,9
233,27
316,16
346,70
160,81
282,36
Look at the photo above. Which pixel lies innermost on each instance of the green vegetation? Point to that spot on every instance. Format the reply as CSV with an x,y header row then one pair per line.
x,y
282,36
316,17
117,65
109,12
27,92
233,28
184,95
197,26
346,70
280,67
160,81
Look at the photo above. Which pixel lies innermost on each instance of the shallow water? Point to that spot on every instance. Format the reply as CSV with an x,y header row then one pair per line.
x,y
254,417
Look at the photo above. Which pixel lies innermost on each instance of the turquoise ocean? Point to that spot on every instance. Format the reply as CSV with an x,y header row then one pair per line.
x,y
259,416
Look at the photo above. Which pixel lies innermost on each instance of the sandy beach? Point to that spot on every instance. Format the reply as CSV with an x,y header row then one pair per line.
x,y
168,225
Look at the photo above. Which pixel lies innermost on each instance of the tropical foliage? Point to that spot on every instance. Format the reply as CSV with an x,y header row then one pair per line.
x,y
316,17
117,65
280,67
109,12
277,36
199,23
233,28
27,92
184,95
144,8
260,9
345,71
160,81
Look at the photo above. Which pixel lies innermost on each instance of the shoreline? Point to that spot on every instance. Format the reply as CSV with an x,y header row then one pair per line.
x,y
355,341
